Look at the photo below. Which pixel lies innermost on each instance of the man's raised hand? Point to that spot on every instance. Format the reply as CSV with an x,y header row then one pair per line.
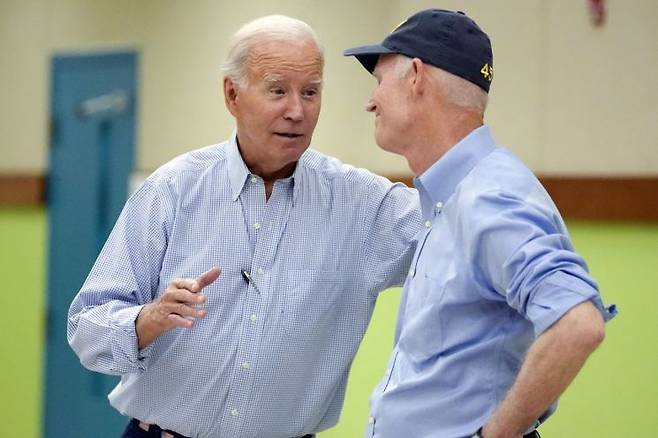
x,y
176,307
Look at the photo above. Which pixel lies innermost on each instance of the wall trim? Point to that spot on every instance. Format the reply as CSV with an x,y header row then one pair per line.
x,y
605,198
626,198
22,190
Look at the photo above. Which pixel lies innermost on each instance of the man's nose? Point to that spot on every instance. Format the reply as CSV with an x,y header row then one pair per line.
x,y
370,106
294,109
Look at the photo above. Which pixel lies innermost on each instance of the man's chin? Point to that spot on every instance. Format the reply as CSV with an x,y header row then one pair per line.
x,y
384,145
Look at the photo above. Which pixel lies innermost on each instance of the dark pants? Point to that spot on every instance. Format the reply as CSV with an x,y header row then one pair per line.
x,y
533,434
134,431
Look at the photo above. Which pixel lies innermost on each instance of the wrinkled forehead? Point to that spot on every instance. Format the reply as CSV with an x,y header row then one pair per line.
x,y
279,60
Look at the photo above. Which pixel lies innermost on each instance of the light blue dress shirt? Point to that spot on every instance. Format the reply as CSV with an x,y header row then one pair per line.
x,y
493,269
271,358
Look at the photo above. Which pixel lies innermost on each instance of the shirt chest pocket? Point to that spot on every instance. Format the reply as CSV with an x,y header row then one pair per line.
x,y
309,308
422,337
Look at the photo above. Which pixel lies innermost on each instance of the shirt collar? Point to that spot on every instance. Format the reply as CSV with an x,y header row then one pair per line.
x,y
439,182
238,172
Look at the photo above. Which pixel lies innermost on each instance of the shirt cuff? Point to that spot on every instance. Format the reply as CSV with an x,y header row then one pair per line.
x,y
124,344
557,294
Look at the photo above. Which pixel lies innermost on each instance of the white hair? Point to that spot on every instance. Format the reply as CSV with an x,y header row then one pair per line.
x,y
268,28
457,90
402,66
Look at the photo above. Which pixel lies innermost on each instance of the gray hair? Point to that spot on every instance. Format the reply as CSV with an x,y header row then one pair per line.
x,y
457,90
268,28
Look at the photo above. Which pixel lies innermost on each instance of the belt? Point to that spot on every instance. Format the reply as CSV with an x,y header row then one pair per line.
x,y
159,432
533,434
155,430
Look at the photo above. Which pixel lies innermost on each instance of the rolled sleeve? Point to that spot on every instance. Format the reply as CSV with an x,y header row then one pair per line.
x,y
522,249
555,296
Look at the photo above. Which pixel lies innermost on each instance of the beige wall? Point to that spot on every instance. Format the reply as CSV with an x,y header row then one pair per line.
x,y
567,97
604,119
23,87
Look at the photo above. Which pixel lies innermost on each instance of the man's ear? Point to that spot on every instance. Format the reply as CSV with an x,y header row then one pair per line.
x,y
230,95
418,76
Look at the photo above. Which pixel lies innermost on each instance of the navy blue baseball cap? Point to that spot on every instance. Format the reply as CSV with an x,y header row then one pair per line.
x,y
445,39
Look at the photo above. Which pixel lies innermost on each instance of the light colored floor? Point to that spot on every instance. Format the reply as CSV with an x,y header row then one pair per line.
x,y
616,395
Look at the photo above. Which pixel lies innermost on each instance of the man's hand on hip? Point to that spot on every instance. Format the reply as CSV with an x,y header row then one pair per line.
x,y
176,307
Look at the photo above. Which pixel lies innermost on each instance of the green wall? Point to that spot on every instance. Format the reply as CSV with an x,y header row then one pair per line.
x,y
616,395
22,299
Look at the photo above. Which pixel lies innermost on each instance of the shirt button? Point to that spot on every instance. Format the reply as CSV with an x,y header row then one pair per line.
x,y
253,317
257,225
428,224
235,412
371,420
253,179
245,365
439,205
260,271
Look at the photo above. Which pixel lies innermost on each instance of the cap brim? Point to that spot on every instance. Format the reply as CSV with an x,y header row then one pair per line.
x,y
368,55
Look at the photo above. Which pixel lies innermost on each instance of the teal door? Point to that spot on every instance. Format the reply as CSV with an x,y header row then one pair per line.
x,y
91,157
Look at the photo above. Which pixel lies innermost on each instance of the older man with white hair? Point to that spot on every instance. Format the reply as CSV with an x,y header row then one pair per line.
x,y
304,243
499,313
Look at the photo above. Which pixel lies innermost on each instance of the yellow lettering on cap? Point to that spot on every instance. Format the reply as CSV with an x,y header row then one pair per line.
x,y
487,72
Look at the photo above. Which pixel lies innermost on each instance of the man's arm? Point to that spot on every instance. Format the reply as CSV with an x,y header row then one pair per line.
x,y
392,221
124,278
552,362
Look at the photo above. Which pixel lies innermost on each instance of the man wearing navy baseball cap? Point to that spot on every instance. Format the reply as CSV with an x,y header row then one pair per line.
x,y
498,313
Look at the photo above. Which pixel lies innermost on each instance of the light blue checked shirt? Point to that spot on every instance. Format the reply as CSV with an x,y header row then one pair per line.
x,y
267,361
493,269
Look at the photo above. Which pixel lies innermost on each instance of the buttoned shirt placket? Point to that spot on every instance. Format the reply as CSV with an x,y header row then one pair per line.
x,y
408,287
265,222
